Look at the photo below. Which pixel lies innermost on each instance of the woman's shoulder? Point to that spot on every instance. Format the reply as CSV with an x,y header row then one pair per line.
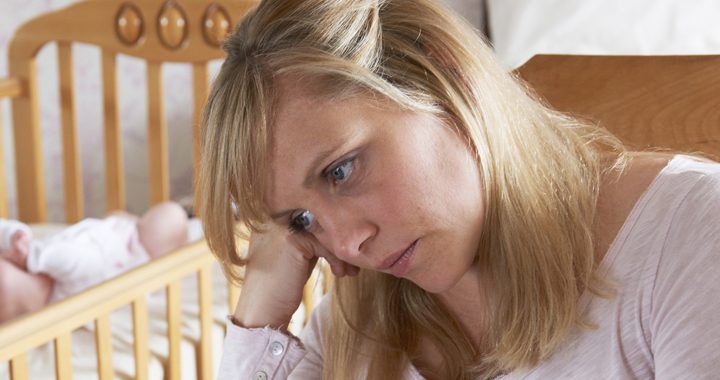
x,y
695,187
679,217
692,184
676,213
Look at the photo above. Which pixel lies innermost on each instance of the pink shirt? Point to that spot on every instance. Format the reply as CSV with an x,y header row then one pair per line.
x,y
664,322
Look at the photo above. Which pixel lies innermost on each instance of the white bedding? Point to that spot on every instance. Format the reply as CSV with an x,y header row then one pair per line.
x,y
41,361
522,28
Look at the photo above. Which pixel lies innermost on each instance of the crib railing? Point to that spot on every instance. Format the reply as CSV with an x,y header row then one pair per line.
x,y
57,322
9,88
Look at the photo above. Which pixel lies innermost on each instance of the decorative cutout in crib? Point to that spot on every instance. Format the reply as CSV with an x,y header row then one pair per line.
x,y
172,25
129,24
216,24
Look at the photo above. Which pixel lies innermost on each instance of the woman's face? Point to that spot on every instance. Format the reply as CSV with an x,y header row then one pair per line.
x,y
380,188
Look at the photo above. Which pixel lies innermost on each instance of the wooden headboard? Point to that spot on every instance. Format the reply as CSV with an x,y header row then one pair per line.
x,y
647,101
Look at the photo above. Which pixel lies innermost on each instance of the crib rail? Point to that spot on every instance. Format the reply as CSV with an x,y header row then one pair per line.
x,y
155,31
9,88
56,322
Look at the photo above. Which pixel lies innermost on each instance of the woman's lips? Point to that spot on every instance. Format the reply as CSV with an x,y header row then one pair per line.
x,y
399,263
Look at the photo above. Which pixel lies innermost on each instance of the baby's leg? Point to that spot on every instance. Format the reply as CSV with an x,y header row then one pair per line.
x,y
163,228
21,292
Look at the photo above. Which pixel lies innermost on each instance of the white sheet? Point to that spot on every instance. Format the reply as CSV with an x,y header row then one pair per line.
x,y
522,28
41,361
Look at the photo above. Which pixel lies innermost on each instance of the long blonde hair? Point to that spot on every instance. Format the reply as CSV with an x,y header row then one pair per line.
x,y
540,168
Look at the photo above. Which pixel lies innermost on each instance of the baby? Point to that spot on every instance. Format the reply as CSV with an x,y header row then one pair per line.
x,y
35,272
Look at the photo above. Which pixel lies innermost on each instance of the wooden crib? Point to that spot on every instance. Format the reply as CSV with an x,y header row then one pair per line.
x,y
157,32
190,31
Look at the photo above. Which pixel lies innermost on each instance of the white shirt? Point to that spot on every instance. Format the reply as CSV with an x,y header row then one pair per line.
x,y
663,322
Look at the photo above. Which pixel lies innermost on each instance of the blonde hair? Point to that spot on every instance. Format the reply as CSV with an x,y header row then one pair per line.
x,y
540,168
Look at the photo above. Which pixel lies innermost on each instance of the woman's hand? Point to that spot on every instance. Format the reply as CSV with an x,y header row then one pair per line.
x,y
279,265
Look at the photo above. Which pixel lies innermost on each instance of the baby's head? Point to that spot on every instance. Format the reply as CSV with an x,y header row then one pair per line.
x,y
163,228
15,238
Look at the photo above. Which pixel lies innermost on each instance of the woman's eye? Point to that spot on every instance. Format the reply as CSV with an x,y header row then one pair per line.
x,y
302,221
341,172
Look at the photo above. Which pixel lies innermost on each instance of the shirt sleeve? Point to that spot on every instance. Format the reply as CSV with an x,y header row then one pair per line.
x,y
258,353
685,320
265,353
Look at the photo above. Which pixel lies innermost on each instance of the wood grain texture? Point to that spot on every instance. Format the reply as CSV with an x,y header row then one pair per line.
x,y
72,178
141,348
94,22
200,93
31,204
649,102
114,165
18,367
63,357
10,87
103,342
204,365
172,292
159,174
102,23
3,181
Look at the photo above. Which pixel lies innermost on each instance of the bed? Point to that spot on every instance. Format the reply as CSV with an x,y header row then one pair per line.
x,y
164,319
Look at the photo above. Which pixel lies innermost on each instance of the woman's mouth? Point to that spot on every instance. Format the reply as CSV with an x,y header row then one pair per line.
x,y
399,263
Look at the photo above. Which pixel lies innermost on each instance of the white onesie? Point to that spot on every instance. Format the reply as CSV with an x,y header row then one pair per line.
x,y
87,253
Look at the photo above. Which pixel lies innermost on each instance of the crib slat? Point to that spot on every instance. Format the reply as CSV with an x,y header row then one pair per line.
x,y
205,370
157,136
173,321
140,337
72,173
114,166
63,357
3,185
103,341
18,367
200,93
32,207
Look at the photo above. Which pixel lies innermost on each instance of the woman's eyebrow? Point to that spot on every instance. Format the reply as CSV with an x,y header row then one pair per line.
x,y
317,162
322,157
310,177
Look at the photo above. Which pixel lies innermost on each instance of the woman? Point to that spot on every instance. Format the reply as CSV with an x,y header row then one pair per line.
x,y
473,232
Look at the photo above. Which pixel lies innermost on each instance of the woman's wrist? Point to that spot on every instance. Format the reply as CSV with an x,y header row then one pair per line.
x,y
252,315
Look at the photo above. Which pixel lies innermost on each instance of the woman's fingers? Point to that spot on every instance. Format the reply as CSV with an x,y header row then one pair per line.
x,y
311,247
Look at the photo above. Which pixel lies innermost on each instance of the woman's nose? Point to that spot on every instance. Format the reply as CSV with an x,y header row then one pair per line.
x,y
345,233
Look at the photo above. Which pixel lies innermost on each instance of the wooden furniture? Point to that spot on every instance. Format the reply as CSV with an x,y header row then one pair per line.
x,y
649,102
153,30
